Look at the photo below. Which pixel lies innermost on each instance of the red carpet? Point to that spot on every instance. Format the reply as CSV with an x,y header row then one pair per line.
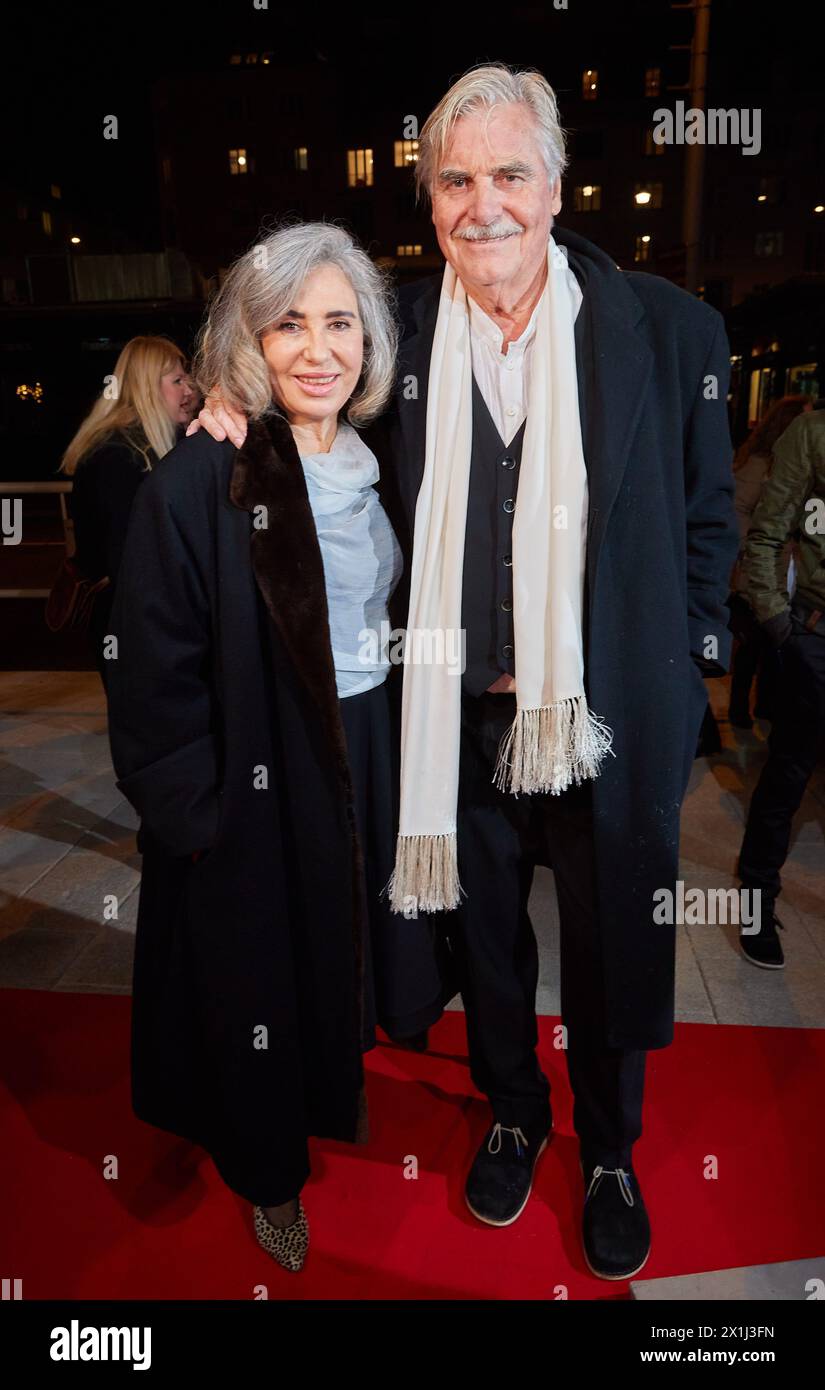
x,y
168,1228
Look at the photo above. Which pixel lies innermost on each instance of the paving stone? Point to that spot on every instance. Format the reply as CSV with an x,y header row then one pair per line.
x,y
37,957
107,960
789,1280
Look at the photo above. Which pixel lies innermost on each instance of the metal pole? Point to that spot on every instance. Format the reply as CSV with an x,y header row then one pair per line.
x,y
695,154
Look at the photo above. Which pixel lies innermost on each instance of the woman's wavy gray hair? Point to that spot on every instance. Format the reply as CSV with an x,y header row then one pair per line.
x,y
483,87
261,286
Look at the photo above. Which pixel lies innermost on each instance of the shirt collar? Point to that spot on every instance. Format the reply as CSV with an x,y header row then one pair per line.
x,y
489,332
483,328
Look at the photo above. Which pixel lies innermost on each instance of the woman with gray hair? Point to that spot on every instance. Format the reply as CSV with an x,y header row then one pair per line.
x,y
249,728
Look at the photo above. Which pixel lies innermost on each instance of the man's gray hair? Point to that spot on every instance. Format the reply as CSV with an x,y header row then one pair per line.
x,y
258,290
483,87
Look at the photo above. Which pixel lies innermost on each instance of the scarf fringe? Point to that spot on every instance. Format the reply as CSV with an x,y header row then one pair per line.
x,y
425,878
547,749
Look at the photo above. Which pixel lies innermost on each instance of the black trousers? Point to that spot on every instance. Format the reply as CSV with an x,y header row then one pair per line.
x,y
501,838
406,967
794,745
753,656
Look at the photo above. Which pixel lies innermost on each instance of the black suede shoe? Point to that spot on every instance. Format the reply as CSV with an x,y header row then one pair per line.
x,y
501,1177
615,1226
764,947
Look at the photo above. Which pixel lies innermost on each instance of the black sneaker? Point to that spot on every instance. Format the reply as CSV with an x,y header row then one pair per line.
x,y
615,1225
764,947
501,1177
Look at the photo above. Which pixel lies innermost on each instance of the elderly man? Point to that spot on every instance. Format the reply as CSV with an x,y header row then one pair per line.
x,y
557,464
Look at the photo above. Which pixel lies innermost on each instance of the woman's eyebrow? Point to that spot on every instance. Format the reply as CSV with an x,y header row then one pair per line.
x,y
330,314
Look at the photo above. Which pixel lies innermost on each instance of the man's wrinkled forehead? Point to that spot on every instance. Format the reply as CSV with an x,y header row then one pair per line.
x,y
484,144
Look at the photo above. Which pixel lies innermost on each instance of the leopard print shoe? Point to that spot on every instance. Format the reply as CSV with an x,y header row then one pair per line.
x,y
288,1244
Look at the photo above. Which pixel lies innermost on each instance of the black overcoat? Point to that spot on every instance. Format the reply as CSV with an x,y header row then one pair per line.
x,y
653,368
226,736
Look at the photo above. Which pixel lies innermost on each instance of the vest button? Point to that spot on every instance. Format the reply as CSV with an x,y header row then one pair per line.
x,y
507,651
508,560
509,505
508,461
506,606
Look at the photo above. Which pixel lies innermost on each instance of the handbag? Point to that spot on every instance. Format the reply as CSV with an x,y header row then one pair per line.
x,y
72,596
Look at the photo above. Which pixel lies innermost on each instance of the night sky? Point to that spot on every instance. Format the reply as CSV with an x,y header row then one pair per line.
x,y
69,65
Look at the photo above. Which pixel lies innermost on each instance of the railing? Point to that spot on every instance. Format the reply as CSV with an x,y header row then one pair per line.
x,y
60,488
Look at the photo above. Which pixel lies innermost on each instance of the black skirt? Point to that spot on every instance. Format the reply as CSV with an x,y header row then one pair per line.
x,y
407,970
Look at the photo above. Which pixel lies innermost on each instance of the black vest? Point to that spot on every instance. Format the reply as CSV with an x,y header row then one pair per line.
x,y
487,592
487,587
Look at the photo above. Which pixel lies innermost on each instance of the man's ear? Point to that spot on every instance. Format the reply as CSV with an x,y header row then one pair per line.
x,y
555,196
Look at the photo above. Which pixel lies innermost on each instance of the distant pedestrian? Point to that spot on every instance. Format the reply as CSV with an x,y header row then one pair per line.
x,y
754,655
791,507
135,421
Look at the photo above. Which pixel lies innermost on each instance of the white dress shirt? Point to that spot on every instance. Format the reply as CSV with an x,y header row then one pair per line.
x,y
503,379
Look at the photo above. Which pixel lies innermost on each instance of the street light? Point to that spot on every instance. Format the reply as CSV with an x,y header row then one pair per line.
x,y
75,240
642,199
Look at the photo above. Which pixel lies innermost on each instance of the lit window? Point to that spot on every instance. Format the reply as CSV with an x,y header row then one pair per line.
x,y
642,251
803,380
46,219
236,58
359,168
650,145
266,57
301,157
55,191
238,162
590,84
647,195
166,168
653,82
409,249
587,197
251,57
406,153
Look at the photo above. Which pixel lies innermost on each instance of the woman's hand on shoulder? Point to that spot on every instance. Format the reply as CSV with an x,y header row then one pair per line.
x,y
220,420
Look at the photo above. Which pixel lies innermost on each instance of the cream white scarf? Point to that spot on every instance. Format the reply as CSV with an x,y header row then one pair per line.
x,y
555,739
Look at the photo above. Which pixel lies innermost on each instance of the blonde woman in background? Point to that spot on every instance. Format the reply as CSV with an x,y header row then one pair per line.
x,y
135,421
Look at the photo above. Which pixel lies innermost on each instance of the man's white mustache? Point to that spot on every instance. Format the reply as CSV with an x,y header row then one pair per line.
x,y
490,232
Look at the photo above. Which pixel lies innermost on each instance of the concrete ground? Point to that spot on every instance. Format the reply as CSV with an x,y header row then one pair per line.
x,y
67,841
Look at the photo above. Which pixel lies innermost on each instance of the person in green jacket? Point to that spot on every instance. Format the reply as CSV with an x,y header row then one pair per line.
x,y
792,507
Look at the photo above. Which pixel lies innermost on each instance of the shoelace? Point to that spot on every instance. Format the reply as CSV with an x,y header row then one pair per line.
x,y
495,1137
622,1178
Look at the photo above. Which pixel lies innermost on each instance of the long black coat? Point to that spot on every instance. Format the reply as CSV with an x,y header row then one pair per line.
x,y
661,542
100,503
224,672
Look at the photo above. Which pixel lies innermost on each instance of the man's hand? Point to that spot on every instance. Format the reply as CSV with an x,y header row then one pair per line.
x,y
221,421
